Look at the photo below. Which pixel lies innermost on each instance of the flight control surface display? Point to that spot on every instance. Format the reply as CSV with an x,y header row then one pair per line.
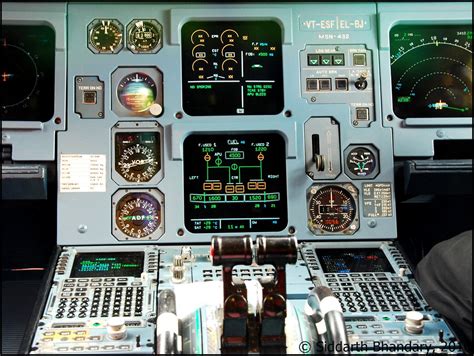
x,y
235,183
232,68
431,70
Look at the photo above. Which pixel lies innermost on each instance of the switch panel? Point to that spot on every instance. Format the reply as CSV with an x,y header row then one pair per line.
x,y
339,74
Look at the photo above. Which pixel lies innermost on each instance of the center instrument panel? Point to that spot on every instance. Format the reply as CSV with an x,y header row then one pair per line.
x,y
184,122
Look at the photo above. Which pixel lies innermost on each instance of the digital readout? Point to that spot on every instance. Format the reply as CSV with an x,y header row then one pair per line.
x,y
232,68
353,260
119,264
235,183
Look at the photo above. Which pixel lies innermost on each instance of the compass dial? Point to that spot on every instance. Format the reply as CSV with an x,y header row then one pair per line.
x,y
144,36
105,36
137,155
332,209
361,162
138,215
27,73
431,70
137,92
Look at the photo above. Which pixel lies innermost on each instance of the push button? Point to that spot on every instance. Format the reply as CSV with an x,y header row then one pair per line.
x,y
338,59
313,59
326,59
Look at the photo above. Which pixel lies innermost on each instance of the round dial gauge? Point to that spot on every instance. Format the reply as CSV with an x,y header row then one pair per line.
x,y
19,76
137,92
138,215
431,69
361,162
105,36
144,36
332,209
137,155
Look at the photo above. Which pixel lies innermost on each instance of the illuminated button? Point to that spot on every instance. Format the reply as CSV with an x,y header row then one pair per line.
x,y
359,59
313,59
362,114
311,84
47,339
326,59
325,84
338,59
342,83
89,97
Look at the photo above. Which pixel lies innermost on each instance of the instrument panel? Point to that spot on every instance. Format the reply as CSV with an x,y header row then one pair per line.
x,y
286,120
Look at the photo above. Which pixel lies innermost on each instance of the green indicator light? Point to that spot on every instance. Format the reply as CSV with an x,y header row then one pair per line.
x,y
96,324
404,99
469,35
386,318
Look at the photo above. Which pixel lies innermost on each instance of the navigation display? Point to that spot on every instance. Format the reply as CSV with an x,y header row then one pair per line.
x,y
27,73
353,260
116,264
431,70
232,68
235,183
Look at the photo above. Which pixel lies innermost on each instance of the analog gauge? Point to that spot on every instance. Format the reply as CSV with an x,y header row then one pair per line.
x,y
332,209
137,92
144,36
105,36
137,155
361,162
138,215
431,69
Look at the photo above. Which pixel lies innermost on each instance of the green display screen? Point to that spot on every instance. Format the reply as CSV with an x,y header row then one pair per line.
x,y
431,70
112,264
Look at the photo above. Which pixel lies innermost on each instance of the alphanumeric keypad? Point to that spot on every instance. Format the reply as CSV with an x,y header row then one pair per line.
x,y
110,297
372,292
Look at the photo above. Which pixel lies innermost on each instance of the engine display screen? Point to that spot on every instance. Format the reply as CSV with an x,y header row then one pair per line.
x,y
116,264
232,68
431,70
27,73
235,183
353,260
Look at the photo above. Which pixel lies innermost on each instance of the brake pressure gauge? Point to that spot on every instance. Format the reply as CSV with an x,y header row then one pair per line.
x,y
105,36
144,36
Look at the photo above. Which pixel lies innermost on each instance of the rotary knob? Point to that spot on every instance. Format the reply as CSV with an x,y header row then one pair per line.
x,y
116,328
414,322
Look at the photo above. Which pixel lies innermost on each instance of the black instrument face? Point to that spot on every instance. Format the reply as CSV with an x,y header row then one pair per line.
x,y
332,208
138,215
354,260
232,68
27,73
235,183
105,36
361,161
137,155
144,36
431,70
108,264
